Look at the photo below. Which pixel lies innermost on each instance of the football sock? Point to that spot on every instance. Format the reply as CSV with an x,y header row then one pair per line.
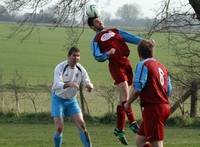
x,y
130,114
121,118
57,139
85,139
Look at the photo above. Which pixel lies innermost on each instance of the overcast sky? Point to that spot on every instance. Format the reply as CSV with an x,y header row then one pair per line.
x,y
147,7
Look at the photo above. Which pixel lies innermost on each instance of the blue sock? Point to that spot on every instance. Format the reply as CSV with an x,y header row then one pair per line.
x,y
85,139
57,139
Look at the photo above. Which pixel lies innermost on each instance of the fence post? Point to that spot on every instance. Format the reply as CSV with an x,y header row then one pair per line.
x,y
194,93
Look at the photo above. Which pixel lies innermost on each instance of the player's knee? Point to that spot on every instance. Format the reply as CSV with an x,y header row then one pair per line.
x,y
148,144
59,130
83,126
139,142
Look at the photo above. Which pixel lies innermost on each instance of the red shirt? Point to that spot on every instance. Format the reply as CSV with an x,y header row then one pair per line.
x,y
156,87
111,38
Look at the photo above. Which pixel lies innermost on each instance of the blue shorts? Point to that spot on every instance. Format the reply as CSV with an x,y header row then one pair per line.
x,y
64,107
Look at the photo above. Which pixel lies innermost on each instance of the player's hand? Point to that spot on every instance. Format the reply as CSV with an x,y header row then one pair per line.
x,y
89,87
126,106
71,84
111,51
75,85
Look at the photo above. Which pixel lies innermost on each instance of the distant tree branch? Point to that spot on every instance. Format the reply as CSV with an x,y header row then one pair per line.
x,y
60,13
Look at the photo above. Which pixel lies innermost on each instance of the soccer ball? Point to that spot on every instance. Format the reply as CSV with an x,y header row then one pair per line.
x,y
92,11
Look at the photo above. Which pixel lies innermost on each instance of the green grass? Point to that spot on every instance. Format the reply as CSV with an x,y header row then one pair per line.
x,y
36,57
40,135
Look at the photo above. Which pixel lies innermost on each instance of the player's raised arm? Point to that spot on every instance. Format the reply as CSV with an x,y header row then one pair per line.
x,y
130,38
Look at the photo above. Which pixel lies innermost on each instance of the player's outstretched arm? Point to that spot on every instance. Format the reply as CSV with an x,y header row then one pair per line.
x,y
130,38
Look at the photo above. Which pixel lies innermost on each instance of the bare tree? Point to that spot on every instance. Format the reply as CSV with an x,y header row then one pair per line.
x,y
106,17
110,95
65,13
128,12
196,6
182,24
1,93
15,85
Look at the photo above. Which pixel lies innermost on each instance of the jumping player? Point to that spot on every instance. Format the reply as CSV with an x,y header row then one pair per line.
x,y
152,84
110,44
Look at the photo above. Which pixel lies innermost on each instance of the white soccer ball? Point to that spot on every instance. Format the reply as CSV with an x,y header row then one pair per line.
x,y
92,11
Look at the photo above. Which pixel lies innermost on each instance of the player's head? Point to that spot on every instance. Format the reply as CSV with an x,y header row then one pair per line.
x,y
73,55
95,23
145,49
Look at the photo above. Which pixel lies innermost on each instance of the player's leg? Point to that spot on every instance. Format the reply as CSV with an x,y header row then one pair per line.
x,y
118,74
163,111
140,140
75,113
57,113
80,124
157,143
59,125
121,114
133,125
124,90
154,117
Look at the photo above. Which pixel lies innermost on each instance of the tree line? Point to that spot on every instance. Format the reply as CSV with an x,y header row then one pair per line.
x,y
126,15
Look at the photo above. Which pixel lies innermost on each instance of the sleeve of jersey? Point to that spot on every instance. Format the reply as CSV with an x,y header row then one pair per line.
x,y
169,89
130,38
100,57
58,82
85,78
140,77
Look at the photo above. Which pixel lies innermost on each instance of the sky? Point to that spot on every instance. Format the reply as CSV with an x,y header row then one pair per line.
x,y
147,7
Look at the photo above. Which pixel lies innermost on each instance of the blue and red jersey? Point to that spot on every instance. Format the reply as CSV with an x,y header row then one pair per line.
x,y
112,38
153,82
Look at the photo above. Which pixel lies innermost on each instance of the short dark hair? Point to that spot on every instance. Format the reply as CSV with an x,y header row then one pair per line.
x,y
145,48
90,21
72,50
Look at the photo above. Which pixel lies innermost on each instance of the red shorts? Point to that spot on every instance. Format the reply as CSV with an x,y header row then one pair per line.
x,y
121,71
154,118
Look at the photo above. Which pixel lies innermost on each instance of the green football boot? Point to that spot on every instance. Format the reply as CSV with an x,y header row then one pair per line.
x,y
121,136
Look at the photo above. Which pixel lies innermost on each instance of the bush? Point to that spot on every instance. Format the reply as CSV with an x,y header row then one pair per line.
x,y
183,122
25,117
108,118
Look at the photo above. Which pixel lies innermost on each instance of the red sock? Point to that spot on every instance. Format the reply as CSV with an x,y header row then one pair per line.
x,y
121,118
130,114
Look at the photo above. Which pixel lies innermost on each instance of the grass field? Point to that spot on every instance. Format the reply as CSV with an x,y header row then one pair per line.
x,y
36,57
40,135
